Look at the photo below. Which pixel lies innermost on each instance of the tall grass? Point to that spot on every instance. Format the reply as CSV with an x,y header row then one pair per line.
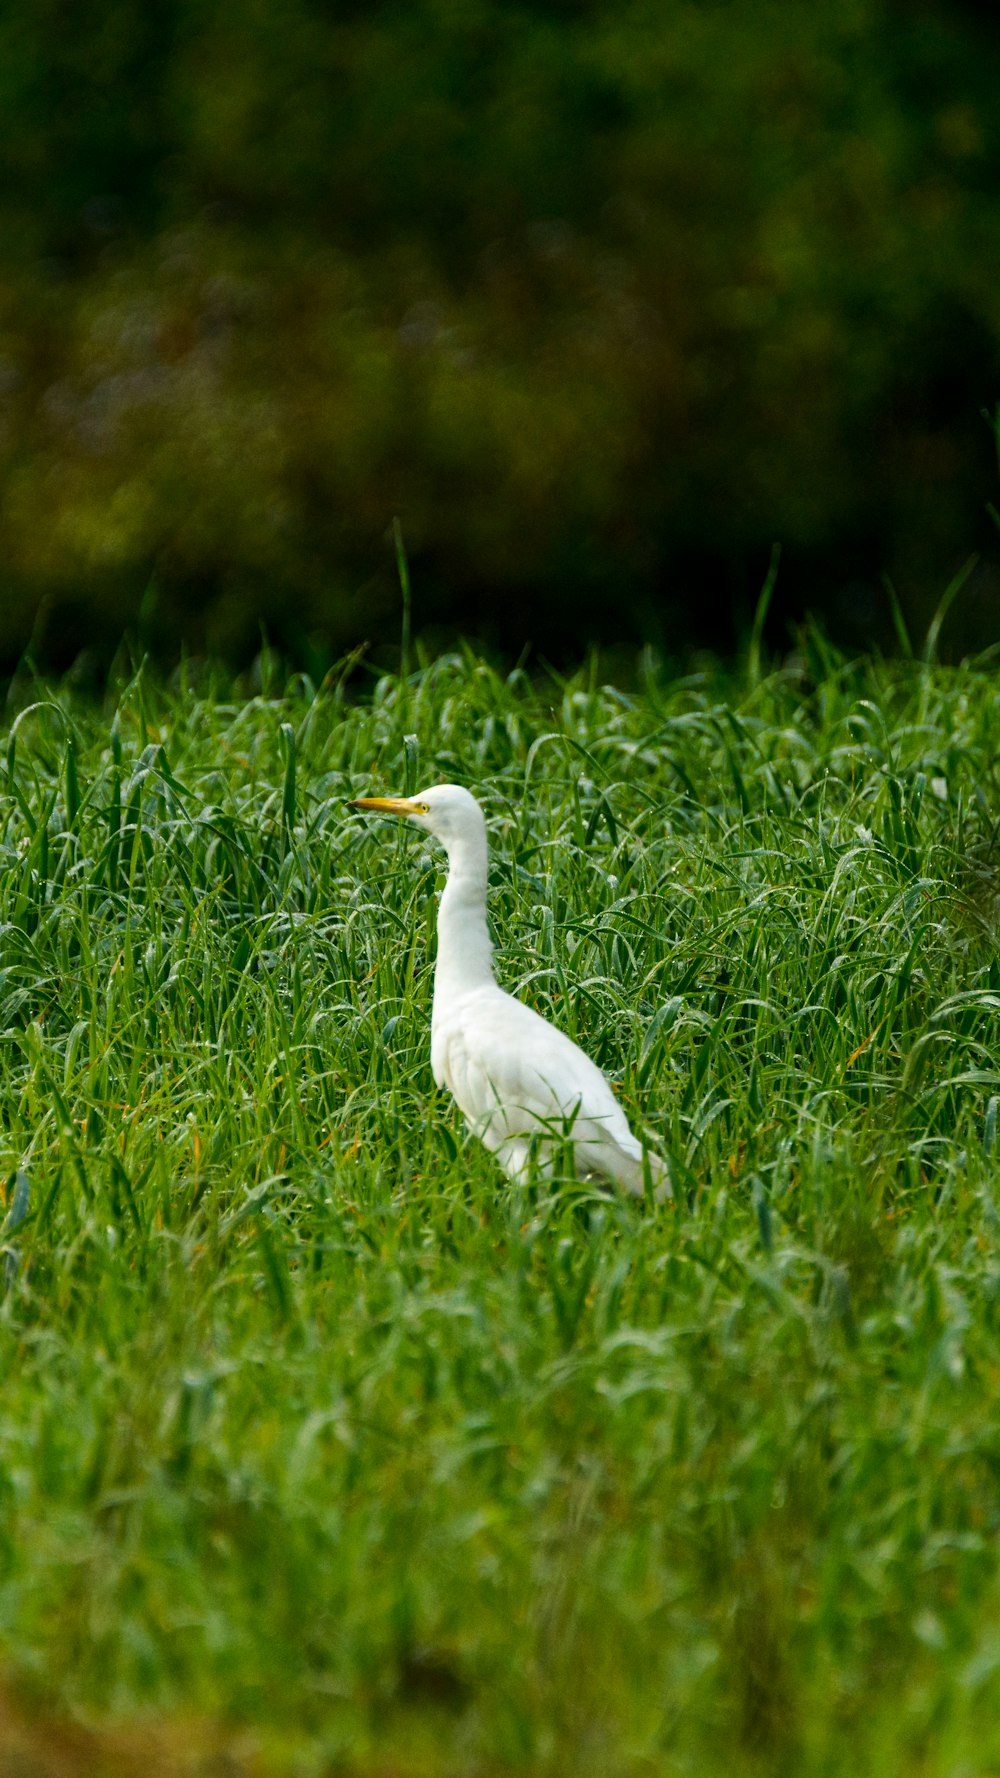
x,y
312,1422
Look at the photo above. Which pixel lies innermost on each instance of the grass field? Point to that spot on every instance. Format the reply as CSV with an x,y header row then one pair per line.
x,y
325,1450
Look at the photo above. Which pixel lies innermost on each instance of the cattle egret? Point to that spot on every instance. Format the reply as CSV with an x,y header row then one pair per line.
x,y
526,1090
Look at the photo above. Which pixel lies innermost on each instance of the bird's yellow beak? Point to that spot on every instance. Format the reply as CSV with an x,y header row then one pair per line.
x,y
387,805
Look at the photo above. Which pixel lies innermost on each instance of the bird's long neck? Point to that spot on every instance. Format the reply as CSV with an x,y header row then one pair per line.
x,y
464,954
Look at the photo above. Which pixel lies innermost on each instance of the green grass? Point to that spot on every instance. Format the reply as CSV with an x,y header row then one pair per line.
x,y
313,1423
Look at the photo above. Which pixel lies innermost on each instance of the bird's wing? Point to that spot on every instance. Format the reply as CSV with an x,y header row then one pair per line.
x,y
503,1062
514,1075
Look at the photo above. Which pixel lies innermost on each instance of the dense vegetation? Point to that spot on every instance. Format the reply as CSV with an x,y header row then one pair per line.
x,y
315,1427
600,300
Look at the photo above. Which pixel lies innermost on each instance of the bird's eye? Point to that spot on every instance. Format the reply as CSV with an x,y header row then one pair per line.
x,y
423,809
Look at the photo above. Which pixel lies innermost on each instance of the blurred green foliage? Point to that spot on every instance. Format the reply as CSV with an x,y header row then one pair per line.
x,y
601,300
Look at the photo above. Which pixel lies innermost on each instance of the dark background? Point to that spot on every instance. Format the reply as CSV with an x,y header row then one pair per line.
x,y
601,299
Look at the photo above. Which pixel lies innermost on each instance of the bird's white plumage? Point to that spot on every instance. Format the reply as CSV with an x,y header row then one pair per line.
x,y
522,1084
526,1089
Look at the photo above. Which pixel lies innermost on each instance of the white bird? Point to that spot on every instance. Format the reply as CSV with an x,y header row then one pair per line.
x,y
525,1088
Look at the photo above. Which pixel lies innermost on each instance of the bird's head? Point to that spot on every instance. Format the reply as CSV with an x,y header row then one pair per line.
x,y
446,810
